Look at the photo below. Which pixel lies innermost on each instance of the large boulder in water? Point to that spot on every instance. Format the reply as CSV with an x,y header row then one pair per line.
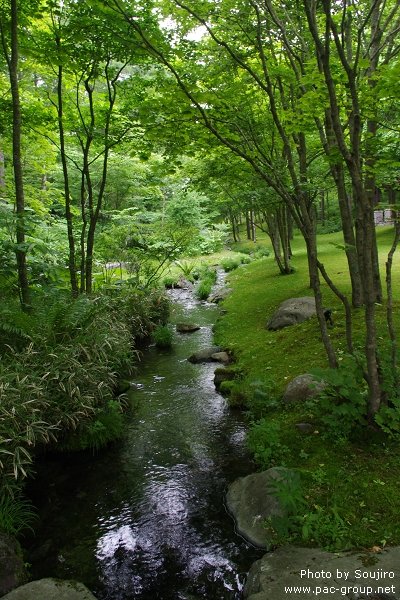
x,y
291,312
251,501
204,355
12,567
51,589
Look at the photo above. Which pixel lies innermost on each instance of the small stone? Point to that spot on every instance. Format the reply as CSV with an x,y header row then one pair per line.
x,y
187,327
304,427
222,357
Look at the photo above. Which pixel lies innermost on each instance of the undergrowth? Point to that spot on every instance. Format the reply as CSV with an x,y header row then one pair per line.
x,y
58,372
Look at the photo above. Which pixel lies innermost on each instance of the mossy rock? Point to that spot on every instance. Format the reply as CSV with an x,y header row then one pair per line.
x,y
221,374
123,385
12,566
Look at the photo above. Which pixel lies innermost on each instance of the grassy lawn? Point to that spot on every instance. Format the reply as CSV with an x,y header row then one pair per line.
x,y
350,485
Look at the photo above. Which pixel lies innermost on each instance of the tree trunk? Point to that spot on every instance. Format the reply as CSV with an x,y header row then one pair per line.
x,y
2,175
248,226
233,225
282,222
17,164
389,306
348,236
68,213
315,284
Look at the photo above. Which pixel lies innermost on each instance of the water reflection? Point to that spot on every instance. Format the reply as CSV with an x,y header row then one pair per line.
x,y
146,518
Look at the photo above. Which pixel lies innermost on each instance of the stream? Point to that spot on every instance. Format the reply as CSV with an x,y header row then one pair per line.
x,y
145,518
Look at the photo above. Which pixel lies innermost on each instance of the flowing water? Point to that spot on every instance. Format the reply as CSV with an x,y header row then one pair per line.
x,y
145,519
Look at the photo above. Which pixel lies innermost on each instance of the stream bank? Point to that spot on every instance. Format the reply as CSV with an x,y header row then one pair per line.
x,y
145,518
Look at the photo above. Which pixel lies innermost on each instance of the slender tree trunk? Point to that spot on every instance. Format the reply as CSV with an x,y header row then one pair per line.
x,y
346,304
349,237
236,225
2,174
17,163
315,284
273,233
248,225
282,222
389,306
83,236
68,213
233,226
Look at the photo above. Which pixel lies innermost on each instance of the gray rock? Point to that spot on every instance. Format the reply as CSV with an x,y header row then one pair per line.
x,y
291,312
251,501
187,327
222,357
303,387
12,569
219,295
51,589
204,355
269,576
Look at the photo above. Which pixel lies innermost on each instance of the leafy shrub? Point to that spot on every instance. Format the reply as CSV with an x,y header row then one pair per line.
x,y
205,272
299,523
170,281
342,405
143,311
229,264
264,441
162,336
261,252
94,435
261,399
388,415
330,225
255,251
186,267
210,239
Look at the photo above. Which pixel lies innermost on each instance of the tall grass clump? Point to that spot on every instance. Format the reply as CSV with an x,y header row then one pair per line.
x,y
16,513
206,277
58,380
162,336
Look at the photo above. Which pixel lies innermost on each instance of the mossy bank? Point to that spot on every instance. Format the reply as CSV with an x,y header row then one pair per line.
x,y
347,491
